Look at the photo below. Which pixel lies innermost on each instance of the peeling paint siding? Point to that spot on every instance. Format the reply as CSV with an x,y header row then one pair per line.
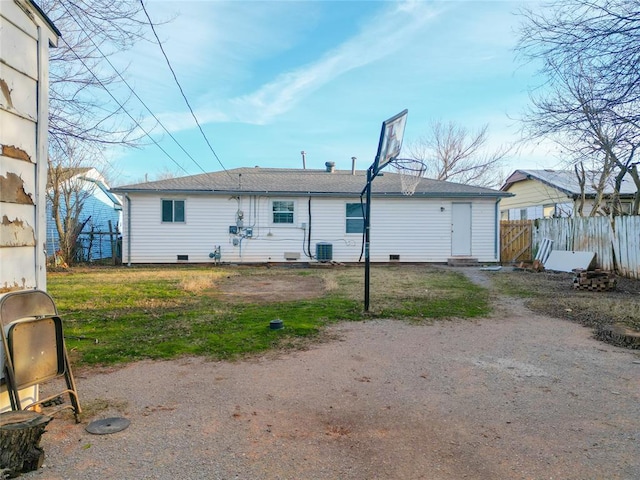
x,y
12,190
16,233
18,93
25,36
11,260
17,137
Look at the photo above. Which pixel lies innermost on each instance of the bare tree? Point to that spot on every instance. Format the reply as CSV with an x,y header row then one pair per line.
x,y
589,52
453,153
67,193
80,106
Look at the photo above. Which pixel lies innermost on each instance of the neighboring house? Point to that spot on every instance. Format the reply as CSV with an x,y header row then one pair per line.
x,y
25,37
292,215
101,215
553,193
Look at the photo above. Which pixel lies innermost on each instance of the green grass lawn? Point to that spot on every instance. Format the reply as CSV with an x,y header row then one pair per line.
x,y
116,315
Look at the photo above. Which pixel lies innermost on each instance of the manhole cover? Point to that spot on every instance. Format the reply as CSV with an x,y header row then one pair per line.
x,y
107,425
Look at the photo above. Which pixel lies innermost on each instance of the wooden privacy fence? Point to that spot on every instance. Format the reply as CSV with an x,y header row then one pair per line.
x,y
515,241
616,242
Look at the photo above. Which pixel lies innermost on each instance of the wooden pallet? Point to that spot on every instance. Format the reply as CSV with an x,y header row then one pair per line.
x,y
595,280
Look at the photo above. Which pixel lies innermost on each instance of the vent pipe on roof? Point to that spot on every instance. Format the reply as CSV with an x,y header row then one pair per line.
x,y
353,165
304,159
331,166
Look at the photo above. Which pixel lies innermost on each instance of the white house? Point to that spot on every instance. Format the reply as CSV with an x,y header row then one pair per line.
x,y
25,37
249,215
101,214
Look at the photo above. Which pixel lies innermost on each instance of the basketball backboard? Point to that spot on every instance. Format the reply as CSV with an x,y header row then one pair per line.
x,y
390,142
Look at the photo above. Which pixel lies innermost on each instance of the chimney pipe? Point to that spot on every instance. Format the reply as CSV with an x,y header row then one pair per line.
x,y
330,166
353,165
304,159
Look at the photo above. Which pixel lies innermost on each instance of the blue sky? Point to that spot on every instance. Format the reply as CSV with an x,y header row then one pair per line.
x,y
268,79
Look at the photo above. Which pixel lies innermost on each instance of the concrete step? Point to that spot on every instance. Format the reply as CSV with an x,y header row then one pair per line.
x,y
462,262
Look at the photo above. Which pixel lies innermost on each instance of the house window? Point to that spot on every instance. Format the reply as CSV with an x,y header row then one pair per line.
x,y
549,211
523,214
282,211
355,217
173,210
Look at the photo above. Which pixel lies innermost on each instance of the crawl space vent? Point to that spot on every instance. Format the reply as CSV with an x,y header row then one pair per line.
x,y
394,257
183,258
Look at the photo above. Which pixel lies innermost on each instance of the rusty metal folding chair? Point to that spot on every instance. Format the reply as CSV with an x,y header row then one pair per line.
x,y
33,346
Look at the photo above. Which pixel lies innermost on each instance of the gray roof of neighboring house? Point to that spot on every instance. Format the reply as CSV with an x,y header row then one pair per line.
x,y
284,181
567,181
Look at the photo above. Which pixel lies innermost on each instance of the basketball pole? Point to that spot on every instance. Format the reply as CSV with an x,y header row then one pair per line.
x,y
389,146
367,224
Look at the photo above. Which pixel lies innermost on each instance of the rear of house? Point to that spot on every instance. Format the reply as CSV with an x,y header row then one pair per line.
x,y
258,215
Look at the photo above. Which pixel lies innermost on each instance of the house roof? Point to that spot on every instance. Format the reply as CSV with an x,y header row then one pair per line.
x,y
44,17
66,173
567,181
283,181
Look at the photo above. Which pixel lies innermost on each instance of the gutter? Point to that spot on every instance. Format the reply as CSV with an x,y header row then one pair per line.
x,y
268,193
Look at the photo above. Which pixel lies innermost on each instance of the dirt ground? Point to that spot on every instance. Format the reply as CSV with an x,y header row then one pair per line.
x,y
271,288
515,396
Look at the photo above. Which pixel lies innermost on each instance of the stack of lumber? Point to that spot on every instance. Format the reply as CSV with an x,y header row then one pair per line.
x,y
598,280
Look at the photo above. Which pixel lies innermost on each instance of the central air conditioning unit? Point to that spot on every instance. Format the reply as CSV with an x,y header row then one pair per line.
x,y
324,251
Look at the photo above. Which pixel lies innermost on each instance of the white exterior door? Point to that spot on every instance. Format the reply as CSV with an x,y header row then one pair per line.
x,y
460,229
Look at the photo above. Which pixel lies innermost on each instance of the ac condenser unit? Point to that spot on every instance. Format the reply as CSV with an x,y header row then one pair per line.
x,y
324,252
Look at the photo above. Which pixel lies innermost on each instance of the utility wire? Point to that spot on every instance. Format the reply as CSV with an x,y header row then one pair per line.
x,y
134,93
122,107
180,87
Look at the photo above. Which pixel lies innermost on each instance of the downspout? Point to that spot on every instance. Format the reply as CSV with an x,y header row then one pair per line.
x,y
42,150
496,243
126,195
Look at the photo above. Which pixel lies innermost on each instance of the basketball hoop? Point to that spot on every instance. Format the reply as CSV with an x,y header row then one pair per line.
x,y
411,172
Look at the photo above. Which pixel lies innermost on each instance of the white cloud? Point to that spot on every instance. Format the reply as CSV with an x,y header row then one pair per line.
x,y
389,31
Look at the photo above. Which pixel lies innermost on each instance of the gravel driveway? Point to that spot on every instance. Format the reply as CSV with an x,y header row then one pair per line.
x,y
516,396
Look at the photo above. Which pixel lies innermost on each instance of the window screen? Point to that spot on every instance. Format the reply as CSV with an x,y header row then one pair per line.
x,y
355,217
173,210
282,211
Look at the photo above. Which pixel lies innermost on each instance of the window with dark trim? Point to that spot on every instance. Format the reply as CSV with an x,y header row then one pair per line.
x,y
355,217
282,211
173,211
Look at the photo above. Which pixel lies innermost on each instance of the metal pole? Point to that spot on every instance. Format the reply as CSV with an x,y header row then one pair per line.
x,y
367,224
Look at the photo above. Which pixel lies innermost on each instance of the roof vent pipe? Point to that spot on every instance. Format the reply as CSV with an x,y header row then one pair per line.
x,y
353,165
331,166
304,159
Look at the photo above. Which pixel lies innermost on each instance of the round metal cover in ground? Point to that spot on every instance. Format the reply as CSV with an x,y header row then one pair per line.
x,y
107,425
276,324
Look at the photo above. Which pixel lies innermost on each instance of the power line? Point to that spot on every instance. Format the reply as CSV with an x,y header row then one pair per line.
x,y
122,107
180,87
135,94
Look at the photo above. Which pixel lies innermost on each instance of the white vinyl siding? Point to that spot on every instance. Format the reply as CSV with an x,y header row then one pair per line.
x,y
418,230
